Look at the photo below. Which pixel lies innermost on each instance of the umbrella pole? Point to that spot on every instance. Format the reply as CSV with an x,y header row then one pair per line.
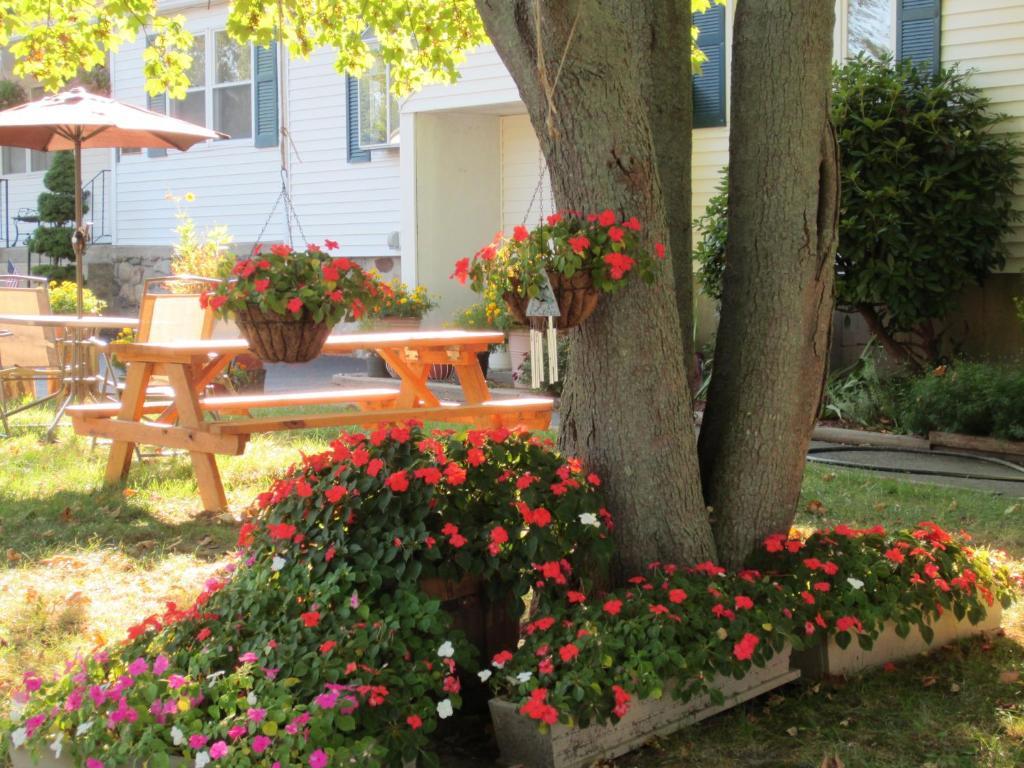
x,y
78,246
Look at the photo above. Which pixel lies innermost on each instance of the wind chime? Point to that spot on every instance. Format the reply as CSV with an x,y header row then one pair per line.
x,y
542,310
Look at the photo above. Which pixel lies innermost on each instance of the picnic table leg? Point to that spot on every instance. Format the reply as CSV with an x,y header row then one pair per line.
x,y
414,381
136,381
471,378
190,415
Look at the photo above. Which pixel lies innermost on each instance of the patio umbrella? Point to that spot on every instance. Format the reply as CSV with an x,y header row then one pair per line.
x,y
77,120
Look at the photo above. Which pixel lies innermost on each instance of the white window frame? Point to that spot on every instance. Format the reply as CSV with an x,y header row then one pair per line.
x,y
35,93
210,43
396,118
844,26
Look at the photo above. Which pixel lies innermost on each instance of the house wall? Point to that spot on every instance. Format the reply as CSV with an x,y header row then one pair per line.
x,y
458,197
522,165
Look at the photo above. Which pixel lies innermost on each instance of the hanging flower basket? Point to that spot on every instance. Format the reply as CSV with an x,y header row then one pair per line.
x,y
278,338
576,296
582,256
286,302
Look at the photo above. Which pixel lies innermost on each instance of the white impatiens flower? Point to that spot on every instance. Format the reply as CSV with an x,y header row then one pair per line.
x,y
447,650
484,675
251,698
524,677
277,563
177,737
57,744
202,759
18,737
83,729
855,583
213,677
445,709
589,518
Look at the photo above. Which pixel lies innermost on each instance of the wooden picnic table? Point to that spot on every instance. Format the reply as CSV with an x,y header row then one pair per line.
x,y
189,366
86,322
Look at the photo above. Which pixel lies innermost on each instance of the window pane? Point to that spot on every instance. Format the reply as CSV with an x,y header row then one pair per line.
x,y
14,159
40,161
197,70
191,108
232,59
232,111
373,106
869,27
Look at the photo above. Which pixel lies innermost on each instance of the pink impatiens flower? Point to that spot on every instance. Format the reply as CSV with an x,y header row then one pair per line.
x,y
256,714
197,741
260,744
138,667
318,759
219,750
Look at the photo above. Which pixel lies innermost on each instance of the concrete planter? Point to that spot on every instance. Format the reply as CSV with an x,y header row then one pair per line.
x,y
522,743
828,659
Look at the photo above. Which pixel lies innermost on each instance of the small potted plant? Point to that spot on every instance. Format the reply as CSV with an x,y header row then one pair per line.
x,y
581,256
286,302
401,308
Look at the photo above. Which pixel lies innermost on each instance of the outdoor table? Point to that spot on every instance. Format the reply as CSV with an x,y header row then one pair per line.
x,y
74,379
189,366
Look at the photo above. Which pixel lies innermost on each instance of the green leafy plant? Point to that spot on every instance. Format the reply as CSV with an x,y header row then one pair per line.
x,y
57,211
598,244
64,299
196,253
525,371
11,94
310,283
970,398
864,395
927,200
399,300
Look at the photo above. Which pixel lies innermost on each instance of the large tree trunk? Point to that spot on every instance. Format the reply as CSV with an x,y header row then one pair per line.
x,y
670,110
625,408
777,302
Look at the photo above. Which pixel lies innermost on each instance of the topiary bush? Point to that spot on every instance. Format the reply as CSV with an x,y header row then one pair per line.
x,y
57,211
319,647
969,398
927,199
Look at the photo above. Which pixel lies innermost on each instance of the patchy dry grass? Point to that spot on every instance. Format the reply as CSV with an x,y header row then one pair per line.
x,y
80,563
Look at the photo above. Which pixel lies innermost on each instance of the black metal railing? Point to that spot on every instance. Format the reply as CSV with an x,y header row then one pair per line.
x,y
5,214
95,191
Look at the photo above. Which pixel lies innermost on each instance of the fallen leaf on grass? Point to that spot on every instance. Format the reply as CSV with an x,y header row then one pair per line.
x,y
880,506
831,761
775,699
954,688
928,681
828,477
147,544
815,507
1009,676
67,515
845,723
128,492
793,731
12,556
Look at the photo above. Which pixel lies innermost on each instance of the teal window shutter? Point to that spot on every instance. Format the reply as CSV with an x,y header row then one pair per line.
x,y
265,96
157,104
709,85
918,31
355,153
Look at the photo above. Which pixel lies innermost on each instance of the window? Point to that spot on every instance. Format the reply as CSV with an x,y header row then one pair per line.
x,y
378,108
18,160
220,91
870,27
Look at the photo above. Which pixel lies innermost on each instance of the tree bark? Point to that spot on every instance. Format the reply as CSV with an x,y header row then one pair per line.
x,y
625,408
670,111
777,302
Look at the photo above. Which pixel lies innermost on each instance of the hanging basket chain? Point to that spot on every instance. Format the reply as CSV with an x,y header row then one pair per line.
x,y
290,213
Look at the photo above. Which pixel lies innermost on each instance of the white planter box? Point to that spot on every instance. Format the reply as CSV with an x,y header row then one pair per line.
x,y
500,360
828,659
522,743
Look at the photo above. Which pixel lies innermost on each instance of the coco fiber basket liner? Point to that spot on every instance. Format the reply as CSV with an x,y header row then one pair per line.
x,y
278,338
577,299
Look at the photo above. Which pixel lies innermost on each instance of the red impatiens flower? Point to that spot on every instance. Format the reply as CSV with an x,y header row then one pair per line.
x,y
245,534
429,475
546,666
895,555
579,243
294,304
260,285
615,234
498,537
398,481
328,646
606,218
280,530
414,721
520,233
744,648
461,272
622,700
613,607
676,596
281,249
537,707
310,618
568,652
659,250
743,603
336,494
822,586
374,466
331,245
576,597
632,223
846,623
501,659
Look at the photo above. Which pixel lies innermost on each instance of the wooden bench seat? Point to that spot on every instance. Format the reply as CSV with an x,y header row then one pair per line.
x,y
244,403
532,412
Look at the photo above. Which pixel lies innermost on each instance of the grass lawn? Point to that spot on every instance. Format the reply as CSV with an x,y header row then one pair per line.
x,y
79,564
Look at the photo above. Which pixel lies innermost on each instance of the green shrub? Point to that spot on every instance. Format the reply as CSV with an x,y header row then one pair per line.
x,y
64,299
927,198
54,273
57,211
969,398
863,395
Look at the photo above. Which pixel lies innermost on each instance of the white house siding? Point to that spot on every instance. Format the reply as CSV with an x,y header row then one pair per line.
x,y
988,36
521,165
235,184
483,83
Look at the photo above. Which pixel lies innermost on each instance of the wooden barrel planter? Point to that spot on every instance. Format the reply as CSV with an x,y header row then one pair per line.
x,y
274,338
577,299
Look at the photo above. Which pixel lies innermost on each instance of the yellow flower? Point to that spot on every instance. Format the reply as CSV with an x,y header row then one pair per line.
x,y
190,197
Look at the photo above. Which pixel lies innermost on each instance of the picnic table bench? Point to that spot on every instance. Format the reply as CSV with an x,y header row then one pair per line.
x,y
189,366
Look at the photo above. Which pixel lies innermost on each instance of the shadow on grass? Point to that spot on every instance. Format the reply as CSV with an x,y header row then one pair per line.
x,y
960,706
38,527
